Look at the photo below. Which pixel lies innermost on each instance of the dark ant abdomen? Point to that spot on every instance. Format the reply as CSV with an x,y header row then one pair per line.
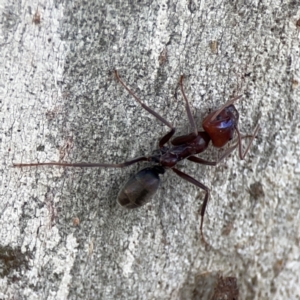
x,y
140,187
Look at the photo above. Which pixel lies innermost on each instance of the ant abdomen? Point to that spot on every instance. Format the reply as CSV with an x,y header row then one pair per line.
x,y
140,187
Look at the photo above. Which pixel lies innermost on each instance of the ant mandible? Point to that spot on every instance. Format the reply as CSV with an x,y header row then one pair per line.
x,y
219,127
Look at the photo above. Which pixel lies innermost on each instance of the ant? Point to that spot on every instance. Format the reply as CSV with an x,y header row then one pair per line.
x,y
219,127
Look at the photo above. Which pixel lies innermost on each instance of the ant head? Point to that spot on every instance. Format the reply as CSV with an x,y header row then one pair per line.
x,y
221,128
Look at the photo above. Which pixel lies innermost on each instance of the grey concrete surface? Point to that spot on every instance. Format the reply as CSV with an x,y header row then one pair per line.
x,y
62,235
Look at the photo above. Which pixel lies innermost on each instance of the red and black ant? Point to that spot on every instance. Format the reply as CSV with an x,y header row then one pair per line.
x,y
219,127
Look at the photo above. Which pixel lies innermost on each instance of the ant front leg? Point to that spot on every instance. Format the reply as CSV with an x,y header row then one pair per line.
x,y
241,154
228,151
201,186
201,161
166,137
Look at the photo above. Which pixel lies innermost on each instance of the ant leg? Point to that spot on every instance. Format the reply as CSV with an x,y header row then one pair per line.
x,y
201,186
199,160
241,154
187,108
82,165
179,140
166,137
228,151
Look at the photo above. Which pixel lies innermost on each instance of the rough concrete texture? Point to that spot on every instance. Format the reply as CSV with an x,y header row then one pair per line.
x,y
62,234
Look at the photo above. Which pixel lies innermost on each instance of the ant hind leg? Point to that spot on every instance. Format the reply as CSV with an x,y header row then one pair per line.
x,y
201,186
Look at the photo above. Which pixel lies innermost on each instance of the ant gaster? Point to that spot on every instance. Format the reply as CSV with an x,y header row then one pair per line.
x,y
219,127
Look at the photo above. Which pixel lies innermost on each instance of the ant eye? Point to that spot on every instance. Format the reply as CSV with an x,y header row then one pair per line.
x,y
218,118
